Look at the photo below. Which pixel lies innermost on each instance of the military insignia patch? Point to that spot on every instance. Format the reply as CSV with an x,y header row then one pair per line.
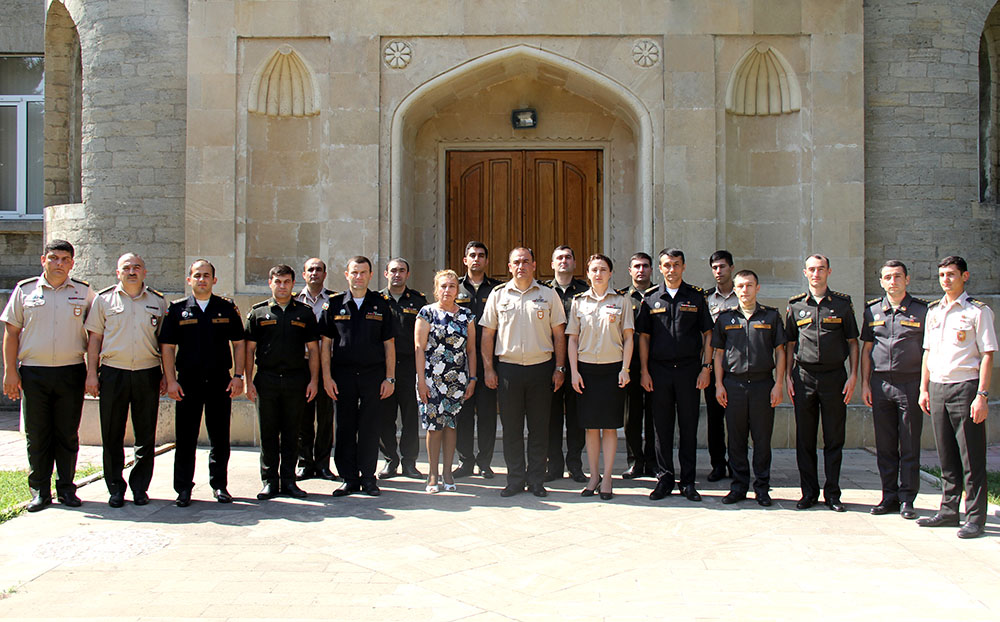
x,y
77,311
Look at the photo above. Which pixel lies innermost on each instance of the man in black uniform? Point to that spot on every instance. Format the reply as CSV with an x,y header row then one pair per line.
x,y
202,326
278,333
359,327
675,354
892,330
564,399
406,304
640,453
481,409
822,333
748,344
721,297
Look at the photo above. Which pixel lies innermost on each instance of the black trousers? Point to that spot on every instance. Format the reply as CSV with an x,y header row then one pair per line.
x,y
358,410
212,396
676,397
523,397
961,446
819,392
479,413
716,421
564,410
316,433
281,398
404,400
52,402
640,446
749,414
898,424
123,390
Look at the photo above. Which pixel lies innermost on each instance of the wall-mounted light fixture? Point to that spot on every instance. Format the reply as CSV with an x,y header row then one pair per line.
x,y
524,119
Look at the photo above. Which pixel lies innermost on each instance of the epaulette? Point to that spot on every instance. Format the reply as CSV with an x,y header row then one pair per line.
x,y
545,284
710,291
838,294
153,291
107,289
578,294
698,289
933,303
767,307
798,297
262,303
978,303
329,292
28,281
622,291
385,296
80,281
923,300
874,300
229,300
179,300
651,289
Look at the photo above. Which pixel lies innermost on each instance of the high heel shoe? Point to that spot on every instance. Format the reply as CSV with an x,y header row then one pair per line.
x,y
607,496
589,492
452,487
433,488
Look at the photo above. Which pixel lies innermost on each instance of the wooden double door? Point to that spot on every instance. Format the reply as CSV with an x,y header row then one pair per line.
x,y
537,199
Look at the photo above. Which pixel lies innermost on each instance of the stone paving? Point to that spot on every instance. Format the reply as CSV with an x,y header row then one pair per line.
x,y
472,555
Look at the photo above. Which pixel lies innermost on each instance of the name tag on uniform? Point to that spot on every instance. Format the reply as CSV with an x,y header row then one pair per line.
x,y
186,322
689,308
373,316
804,321
733,326
762,326
411,311
341,317
297,323
463,298
909,323
655,311
833,320
268,322
220,320
879,323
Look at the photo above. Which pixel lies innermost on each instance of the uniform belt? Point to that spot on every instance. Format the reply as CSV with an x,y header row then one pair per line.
x,y
821,367
755,376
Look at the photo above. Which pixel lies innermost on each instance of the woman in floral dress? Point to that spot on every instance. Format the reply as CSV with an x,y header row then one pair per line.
x,y
445,343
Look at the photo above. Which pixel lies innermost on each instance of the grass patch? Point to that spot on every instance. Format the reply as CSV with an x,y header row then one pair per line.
x,y
992,482
14,489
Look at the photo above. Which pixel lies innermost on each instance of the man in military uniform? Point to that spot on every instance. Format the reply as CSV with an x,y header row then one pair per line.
x,y
123,323
564,399
525,322
721,297
959,344
480,410
195,341
675,355
359,329
892,330
279,331
316,431
640,452
822,333
406,304
749,347
43,348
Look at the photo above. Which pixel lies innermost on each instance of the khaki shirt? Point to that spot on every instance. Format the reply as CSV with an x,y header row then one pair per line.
x,y
51,321
717,303
129,326
955,337
523,321
600,323
317,302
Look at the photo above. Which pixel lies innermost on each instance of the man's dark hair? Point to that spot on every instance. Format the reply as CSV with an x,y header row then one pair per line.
x,y
600,257
563,247
893,263
280,270
723,255
670,252
360,259
954,260
198,261
640,255
521,248
400,260
321,262
745,274
476,244
822,258
59,245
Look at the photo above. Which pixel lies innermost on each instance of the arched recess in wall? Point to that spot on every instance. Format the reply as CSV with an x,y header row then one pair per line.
x,y
284,86
763,83
989,108
494,67
63,107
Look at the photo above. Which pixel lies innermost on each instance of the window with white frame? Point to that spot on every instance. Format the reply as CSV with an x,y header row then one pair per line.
x,y
21,136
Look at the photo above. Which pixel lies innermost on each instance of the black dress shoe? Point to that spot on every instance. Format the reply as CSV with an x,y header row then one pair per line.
x,y
884,507
538,490
663,488
717,473
689,493
806,502
464,470
117,500
388,471
938,521
325,473
512,489
633,472
347,488
552,475
183,499
370,488
302,473
907,511
292,489
39,502
970,530
487,473
222,495
734,497
269,491
410,470
139,497
835,504
69,499
764,499
589,492
607,496
578,476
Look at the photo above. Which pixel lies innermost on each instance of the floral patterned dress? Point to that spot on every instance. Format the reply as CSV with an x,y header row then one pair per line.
x,y
444,365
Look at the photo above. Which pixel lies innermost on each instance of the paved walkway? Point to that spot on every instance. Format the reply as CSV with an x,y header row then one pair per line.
x,y
474,556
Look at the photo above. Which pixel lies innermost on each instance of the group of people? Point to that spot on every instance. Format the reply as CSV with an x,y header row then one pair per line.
x,y
484,346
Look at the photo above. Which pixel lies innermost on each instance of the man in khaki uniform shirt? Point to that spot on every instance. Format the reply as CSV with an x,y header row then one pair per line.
x,y
124,322
43,350
524,322
959,342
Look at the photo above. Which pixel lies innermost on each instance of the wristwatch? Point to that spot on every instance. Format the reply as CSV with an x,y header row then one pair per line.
x,y
240,376
391,380
473,378
983,393
560,369
707,366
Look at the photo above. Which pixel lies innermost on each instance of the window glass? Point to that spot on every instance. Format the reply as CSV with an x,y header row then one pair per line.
x,y
36,155
8,158
21,75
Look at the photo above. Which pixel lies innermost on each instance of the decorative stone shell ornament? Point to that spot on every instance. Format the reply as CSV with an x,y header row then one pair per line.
x,y
763,83
284,86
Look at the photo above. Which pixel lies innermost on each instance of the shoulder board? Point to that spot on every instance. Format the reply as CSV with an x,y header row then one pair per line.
x,y
933,303
296,294
28,281
622,291
920,300
874,300
329,292
978,303
578,294
384,296
107,289
768,308
262,303
229,300
153,291
421,294
546,284
798,297
710,291
178,301
651,289
698,289
80,281
839,294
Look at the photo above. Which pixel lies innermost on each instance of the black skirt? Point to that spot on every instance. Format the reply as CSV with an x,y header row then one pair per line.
x,y
602,404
